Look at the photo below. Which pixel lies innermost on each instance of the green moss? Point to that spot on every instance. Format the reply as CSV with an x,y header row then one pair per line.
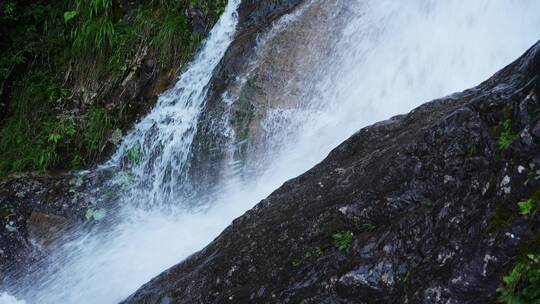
x,y
532,245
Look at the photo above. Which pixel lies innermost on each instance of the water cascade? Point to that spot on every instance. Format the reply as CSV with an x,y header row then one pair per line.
x,y
389,56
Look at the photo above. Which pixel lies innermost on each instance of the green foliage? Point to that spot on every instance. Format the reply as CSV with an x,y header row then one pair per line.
x,y
95,32
96,7
32,34
31,136
93,39
70,15
172,30
507,136
525,207
213,9
35,139
97,125
94,36
343,240
124,40
522,285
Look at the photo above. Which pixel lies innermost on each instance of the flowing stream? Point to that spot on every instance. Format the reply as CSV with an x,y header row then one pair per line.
x,y
389,57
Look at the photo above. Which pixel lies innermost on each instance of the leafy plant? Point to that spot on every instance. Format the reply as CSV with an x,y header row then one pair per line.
x,y
507,136
522,285
525,207
70,15
343,240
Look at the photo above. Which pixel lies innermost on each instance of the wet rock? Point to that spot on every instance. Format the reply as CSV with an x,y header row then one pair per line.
x,y
264,72
536,130
423,207
35,209
43,228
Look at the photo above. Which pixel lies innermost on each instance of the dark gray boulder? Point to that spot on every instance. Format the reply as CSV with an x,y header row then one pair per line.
x,y
421,208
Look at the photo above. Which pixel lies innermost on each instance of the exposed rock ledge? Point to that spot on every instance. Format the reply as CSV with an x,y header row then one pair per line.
x,y
423,195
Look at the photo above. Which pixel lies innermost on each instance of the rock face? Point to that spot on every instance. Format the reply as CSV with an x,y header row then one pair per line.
x,y
255,17
33,210
266,68
37,213
421,208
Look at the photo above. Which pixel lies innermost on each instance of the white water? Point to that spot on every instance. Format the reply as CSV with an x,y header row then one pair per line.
x,y
393,56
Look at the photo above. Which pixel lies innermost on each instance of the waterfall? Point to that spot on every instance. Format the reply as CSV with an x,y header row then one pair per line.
x,y
161,142
151,162
389,56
